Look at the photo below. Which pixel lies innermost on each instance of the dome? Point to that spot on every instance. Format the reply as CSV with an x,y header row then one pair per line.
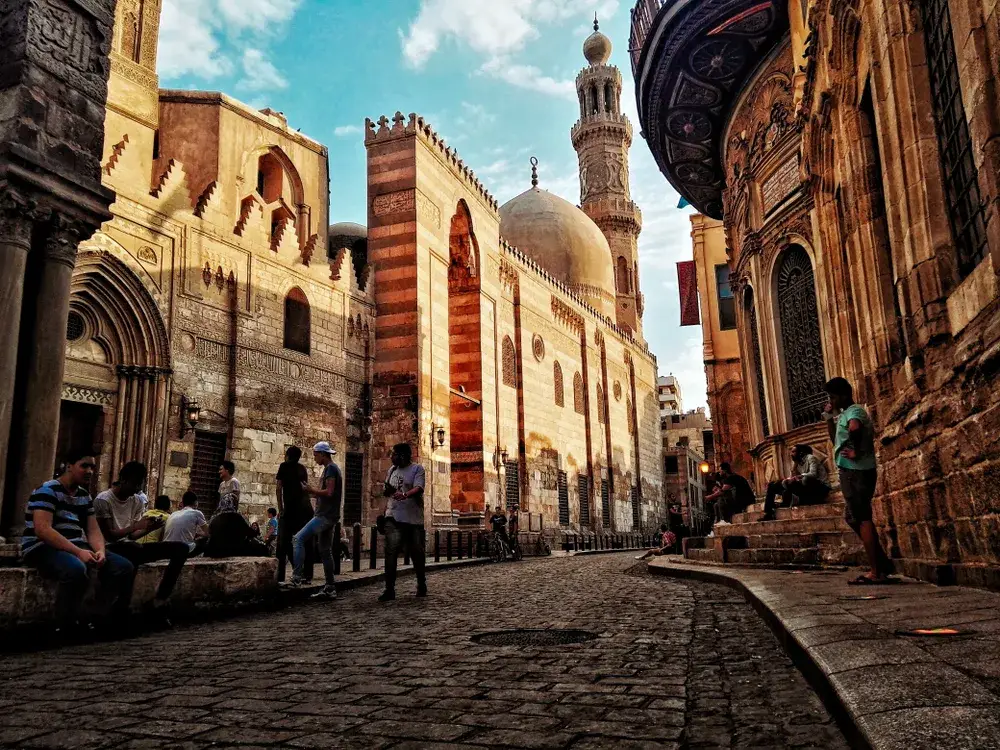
x,y
597,47
564,241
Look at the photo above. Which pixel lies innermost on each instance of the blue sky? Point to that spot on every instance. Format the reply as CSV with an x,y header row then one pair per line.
x,y
493,77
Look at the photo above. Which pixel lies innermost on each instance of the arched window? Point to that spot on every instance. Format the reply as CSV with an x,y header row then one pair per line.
x,y
600,404
583,102
595,104
751,318
557,384
578,393
297,322
805,374
609,97
623,276
509,363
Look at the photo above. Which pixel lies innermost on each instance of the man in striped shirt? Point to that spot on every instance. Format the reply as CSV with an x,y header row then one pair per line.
x,y
63,541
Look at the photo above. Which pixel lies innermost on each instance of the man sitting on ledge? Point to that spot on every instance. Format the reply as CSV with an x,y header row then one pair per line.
x,y
121,515
63,541
807,484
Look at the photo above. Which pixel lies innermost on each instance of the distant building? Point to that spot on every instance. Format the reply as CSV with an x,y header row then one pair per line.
x,y
684,485
668,389
692,430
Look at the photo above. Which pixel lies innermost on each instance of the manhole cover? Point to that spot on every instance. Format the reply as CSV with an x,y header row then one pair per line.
x,y
533,637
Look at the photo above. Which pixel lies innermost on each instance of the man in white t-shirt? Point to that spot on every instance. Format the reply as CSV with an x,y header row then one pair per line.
x,y
120,514
188,525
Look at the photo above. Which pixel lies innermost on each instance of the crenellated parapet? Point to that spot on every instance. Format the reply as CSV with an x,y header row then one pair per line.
x,y
384,130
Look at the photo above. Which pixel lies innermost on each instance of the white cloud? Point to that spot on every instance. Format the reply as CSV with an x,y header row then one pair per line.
x,y
203,39
345,130
527,77
496,30
259,73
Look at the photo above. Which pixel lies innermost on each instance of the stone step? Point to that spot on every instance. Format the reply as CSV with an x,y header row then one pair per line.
x,y
794,526
821,539
774,556
702,554
826,510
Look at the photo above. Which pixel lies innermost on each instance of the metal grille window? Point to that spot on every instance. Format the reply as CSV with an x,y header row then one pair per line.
x,y
354,472
804,372
605,502
209,453
583,490
557,384
509,375
671,465
512,486
563,499
636,510
727,303
757,365
961,178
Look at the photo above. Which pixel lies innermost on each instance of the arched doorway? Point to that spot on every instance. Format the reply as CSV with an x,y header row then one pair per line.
x,y
465,359
116,387
802,347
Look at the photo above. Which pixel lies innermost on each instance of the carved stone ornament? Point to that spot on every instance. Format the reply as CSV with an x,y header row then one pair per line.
x,y
206,274
66,36
538,347
146,254
618,391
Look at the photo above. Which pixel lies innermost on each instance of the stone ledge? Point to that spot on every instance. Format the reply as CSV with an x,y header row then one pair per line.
x,y
886,691
26,597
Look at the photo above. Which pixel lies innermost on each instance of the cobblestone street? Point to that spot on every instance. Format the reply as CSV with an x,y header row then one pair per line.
x,y
676,665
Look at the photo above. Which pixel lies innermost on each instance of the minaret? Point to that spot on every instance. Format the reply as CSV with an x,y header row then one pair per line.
x,y
602,138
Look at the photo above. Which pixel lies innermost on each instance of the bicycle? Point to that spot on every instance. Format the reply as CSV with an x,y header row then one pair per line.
x,y
498,548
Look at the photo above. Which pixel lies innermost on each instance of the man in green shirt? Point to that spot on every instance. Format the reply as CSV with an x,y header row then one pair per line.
x,y
854,454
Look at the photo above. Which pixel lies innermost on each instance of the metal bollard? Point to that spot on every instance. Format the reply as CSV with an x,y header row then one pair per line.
x,y
406,554
437,546
373,550
448,545
461,546
356,549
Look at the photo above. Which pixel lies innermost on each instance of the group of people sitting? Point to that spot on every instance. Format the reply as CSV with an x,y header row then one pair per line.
x,y
67,534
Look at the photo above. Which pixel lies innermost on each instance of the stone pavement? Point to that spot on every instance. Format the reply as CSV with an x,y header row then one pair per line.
x,y
900,692
676,664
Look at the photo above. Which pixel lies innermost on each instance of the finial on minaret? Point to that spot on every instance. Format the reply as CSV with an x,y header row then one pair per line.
x,y
597,25
534,171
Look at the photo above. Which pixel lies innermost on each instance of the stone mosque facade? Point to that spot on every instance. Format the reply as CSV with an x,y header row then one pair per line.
x,y
217,313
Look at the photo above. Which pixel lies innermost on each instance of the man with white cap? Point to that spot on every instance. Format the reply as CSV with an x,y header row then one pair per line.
x,y
327,504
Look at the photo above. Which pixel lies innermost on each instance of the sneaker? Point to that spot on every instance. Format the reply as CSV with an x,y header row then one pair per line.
x,y
422,591
387,596
326,593
295,583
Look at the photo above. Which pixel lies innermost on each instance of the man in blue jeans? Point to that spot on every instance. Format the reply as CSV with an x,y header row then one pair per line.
x,y
64,542
327,505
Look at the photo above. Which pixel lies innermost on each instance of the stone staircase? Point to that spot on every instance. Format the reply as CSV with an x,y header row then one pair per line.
x,y
803,536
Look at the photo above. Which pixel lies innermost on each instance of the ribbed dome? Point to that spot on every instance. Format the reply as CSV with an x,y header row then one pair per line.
x,y
597,47
352,236
564,241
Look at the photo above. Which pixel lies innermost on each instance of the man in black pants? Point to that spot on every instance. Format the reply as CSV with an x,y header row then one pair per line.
x,y
404,518
294,510
807,484
120,514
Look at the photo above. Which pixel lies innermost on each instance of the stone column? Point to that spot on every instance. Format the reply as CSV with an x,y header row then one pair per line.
x,y
15,242
42,362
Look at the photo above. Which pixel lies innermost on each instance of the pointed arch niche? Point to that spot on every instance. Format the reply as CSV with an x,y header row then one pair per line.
x,y
465,369
116,387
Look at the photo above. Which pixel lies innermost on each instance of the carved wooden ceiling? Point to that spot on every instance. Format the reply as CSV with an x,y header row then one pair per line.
x,y
696,61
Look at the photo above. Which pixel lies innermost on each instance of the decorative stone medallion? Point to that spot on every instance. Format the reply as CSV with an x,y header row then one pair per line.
x,y
538,347
618,391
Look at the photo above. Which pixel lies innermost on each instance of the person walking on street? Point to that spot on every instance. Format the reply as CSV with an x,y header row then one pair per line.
x,y
63,540
404,519
853,439
329,497
294,511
